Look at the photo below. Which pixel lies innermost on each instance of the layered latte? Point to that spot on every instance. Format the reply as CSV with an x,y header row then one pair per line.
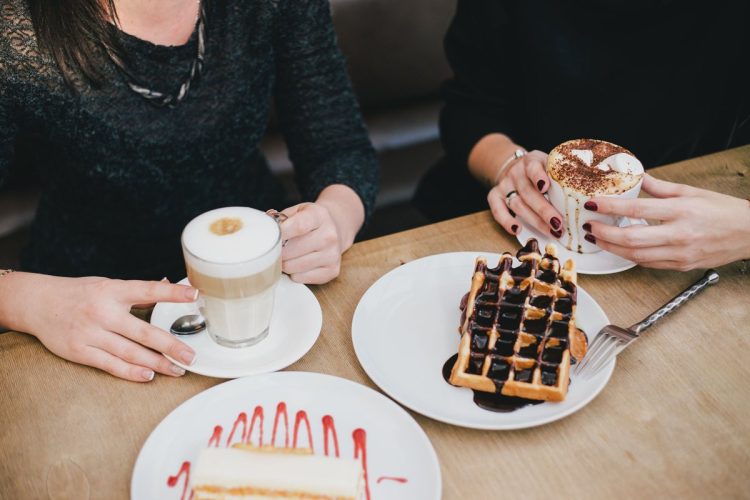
x,y
233,257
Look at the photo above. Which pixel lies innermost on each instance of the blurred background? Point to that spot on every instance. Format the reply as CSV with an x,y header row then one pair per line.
x,y
394,50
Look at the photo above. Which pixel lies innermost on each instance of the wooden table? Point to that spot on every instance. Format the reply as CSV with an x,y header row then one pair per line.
x,y
674,420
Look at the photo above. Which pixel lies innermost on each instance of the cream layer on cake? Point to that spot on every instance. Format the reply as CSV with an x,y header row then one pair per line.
x,y
250,473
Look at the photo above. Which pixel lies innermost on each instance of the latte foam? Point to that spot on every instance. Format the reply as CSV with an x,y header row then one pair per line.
x,y
231,242
593,167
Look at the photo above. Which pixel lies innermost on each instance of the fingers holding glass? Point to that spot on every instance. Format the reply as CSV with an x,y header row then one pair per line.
x,y
522,179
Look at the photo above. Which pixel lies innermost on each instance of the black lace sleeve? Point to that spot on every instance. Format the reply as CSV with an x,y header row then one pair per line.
x,y
318,111
20,62
8,130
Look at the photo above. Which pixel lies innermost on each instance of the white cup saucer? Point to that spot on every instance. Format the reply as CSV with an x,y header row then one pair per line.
x,y
295,326
586,263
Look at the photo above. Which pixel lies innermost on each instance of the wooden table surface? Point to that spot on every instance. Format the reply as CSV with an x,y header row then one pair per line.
x,y
674,420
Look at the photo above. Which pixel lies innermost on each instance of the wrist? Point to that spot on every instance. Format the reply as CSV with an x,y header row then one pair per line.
x,y
346,210
510,161
491,155
14,300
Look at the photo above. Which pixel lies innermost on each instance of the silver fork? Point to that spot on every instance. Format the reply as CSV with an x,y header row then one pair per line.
x,y
613,339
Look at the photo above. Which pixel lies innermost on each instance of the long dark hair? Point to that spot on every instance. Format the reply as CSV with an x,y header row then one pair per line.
x,y
78,35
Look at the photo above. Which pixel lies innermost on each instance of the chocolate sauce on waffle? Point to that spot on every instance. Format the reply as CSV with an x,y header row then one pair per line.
x,y
517,327
489,400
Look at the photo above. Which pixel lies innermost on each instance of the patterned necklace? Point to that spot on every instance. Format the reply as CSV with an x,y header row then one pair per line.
x,y
163,99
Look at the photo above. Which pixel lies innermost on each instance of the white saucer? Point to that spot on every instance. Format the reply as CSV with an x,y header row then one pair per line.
x,y
343,419
295,326
406,327
601,262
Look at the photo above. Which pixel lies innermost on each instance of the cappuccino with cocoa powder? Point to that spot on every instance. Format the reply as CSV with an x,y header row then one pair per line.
x,y
233,257
582,169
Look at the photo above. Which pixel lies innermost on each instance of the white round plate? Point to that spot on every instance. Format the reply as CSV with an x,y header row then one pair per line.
x,y
586,263
400,461
295,326
406,327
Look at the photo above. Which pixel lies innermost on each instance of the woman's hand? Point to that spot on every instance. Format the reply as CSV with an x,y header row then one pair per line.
x,y
318,233
88,321
527,176
698,229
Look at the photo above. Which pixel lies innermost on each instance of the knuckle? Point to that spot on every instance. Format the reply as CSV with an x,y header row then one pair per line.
x,y
102,288
335,270
638,210
629,239
505,185
306,225
140,334
152,288
111,367
331,237
637,256
76,351
128,352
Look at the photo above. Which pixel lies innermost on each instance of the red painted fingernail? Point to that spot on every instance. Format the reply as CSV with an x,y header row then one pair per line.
x,y
554,233
587,227
555,222
590,205
514,228
590,238
540,185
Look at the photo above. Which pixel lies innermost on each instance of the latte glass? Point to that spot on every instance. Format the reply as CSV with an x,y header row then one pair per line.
x,y
233,257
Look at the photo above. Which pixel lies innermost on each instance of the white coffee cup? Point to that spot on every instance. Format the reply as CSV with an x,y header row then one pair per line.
x,y
570,197
233,257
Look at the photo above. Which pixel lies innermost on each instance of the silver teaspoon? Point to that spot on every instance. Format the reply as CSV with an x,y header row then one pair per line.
x,y
189,324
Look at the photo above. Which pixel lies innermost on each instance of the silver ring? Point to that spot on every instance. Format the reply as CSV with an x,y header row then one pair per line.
x,y
509,197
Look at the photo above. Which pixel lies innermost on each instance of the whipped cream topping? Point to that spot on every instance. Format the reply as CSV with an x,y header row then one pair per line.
x,y
622,163
585,155
590,167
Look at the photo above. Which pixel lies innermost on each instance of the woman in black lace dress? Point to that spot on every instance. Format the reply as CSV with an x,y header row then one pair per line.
x,y
138,116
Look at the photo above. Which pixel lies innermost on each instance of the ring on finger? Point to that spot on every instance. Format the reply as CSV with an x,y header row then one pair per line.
x,y
509,197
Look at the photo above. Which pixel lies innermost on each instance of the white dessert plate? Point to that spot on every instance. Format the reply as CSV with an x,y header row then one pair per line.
x,y
274,409
295,326
405,328
586,263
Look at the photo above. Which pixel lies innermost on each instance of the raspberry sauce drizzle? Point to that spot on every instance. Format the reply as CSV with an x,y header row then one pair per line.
x,y
215,437
280,410
172,480
394,479
359,437
302,415
241,418
257,415
329,427
360,451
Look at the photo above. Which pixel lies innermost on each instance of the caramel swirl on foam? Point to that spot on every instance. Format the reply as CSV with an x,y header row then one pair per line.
x,y
584,166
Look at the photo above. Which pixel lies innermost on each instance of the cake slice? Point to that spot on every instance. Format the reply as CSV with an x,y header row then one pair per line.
x,y
244,472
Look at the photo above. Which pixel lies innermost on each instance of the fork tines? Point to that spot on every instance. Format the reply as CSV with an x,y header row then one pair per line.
x,y
610,341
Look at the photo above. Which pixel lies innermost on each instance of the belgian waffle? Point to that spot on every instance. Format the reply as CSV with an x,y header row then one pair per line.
x,y
518,326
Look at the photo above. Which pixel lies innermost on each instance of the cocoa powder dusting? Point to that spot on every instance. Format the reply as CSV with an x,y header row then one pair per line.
x,y
574,173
